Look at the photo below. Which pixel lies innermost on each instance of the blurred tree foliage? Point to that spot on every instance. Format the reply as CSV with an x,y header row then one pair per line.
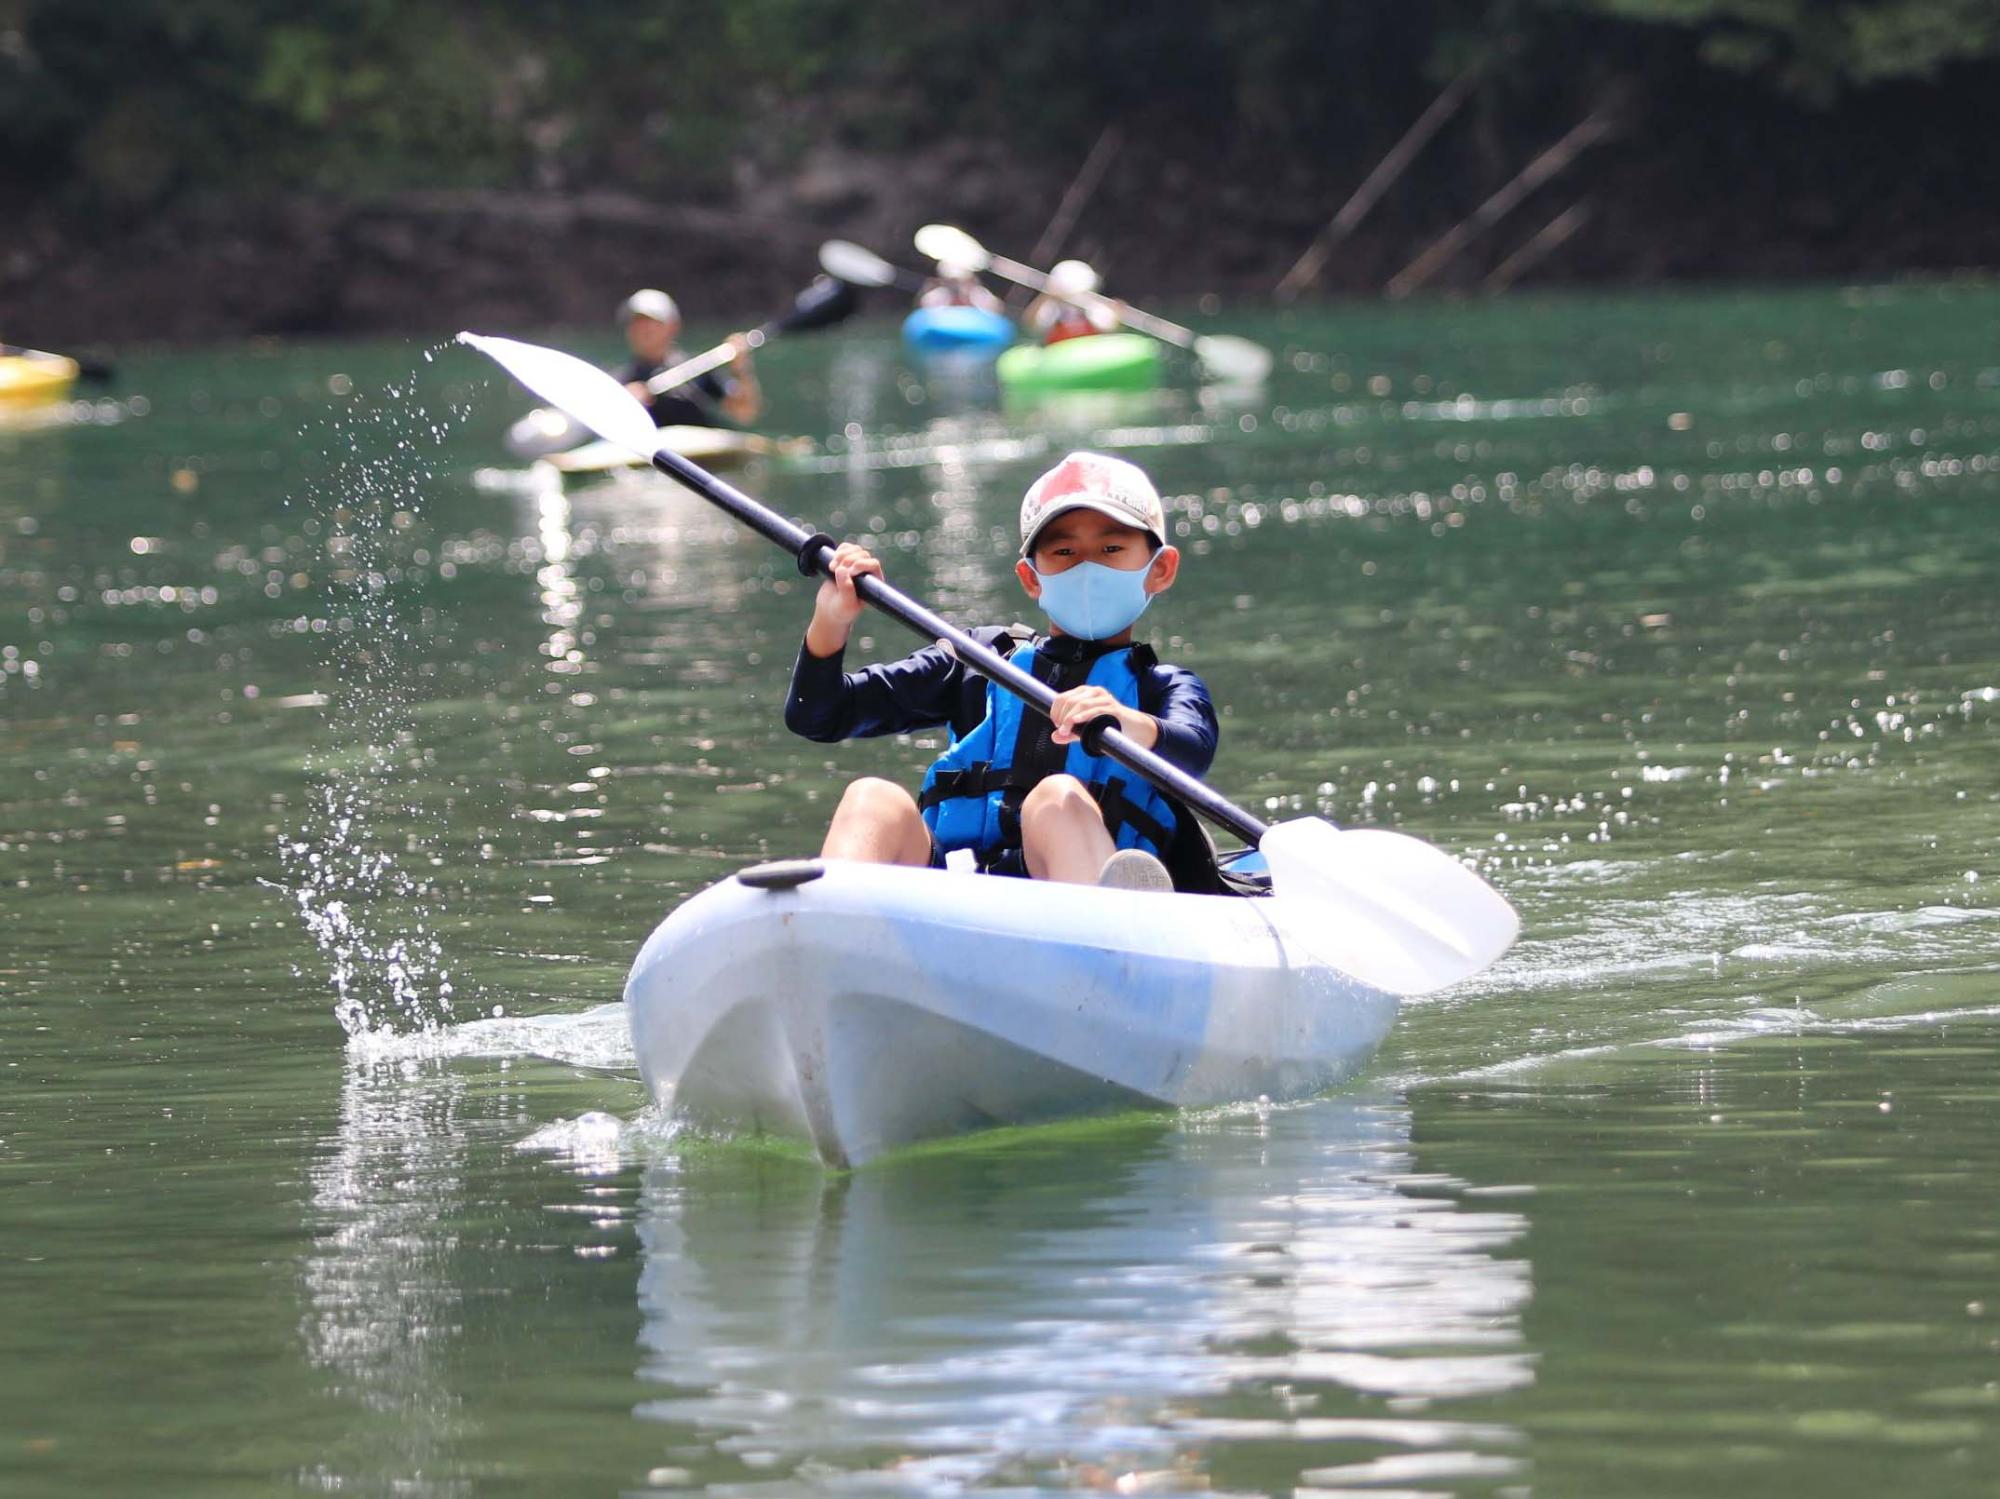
x,y
119,108
1818,48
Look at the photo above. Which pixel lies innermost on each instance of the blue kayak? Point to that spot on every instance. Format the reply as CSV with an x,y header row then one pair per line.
x,y
957,330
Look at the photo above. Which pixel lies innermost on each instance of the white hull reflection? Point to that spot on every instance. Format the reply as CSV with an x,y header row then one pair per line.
x,y
1086,1309
378,1290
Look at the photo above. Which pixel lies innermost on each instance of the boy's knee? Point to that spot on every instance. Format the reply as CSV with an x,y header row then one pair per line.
x,y
876,799
1060,795
877,822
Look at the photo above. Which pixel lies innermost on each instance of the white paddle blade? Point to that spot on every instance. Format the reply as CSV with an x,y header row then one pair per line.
x,y
1232,360
576,386
944,243
846,261
1399,914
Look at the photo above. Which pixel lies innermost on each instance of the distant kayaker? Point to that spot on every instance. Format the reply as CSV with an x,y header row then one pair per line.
x,y
652,329
1016,788
1070,308
959,286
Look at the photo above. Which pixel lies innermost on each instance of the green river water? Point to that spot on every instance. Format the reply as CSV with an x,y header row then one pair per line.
x,y
341,781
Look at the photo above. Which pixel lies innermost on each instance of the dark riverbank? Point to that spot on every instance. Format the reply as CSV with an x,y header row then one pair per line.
x,y
1700,174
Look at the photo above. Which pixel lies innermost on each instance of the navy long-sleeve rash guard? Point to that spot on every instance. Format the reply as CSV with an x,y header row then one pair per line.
x,y
926,690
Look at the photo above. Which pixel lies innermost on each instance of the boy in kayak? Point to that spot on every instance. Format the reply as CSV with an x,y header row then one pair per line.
x,y
652,327
1016,788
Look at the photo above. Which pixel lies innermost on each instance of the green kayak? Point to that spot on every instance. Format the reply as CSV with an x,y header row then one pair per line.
x,y
1102,361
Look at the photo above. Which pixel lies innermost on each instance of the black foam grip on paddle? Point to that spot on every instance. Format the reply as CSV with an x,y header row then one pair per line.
x,y
827,301
1091,735
809,552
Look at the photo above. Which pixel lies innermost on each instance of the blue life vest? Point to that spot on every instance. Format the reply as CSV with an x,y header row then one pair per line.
x,y
973,792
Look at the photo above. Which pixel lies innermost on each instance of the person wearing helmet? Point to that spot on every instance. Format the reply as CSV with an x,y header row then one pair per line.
x,y
1070,306
958,285
652,323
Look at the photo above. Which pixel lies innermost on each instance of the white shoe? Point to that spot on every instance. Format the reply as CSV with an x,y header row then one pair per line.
x,y
1135,869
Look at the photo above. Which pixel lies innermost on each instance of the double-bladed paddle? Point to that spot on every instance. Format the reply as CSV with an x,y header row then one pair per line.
x,y
1397,913
861,267
828,300
1225,357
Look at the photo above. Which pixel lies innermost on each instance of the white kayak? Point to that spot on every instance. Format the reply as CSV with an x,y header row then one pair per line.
x,y
868,1007
712,447
549,433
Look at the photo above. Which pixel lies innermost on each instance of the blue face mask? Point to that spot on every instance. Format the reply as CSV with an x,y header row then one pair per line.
x,y
1092,601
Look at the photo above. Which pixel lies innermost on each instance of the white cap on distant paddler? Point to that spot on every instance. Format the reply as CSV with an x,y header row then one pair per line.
x,y
1072,278
1093,481
656,305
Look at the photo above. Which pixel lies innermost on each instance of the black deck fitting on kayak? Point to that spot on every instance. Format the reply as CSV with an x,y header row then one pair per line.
x,y
809,552
781,874
1091,735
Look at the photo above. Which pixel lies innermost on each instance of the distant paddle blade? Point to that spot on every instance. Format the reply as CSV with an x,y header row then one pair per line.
x,y
1232,360
953,246
576,386
829,300
1399,914
858,267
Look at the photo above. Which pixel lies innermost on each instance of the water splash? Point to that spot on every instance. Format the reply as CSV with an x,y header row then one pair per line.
x,y
364,908
361,862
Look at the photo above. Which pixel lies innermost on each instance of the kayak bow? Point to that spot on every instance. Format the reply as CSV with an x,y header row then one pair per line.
x,y
30,376
970,332
862,1008
1101,361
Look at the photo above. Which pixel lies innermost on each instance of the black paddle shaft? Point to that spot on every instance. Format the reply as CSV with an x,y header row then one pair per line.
x,y
814,551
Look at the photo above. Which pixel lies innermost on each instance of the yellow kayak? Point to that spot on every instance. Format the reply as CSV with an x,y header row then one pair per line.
x,y
28,376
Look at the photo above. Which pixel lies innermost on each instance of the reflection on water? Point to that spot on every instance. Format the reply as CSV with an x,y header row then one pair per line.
x,y
958,553
382,1297
555,579
1247,1300
1767,1254
1229,1297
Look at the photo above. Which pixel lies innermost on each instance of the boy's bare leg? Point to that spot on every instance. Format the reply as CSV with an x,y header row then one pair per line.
x,y
1062,833
877,822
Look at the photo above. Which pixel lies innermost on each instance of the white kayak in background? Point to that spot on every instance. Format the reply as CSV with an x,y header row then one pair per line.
x,y
712,447
861,1008
543,431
